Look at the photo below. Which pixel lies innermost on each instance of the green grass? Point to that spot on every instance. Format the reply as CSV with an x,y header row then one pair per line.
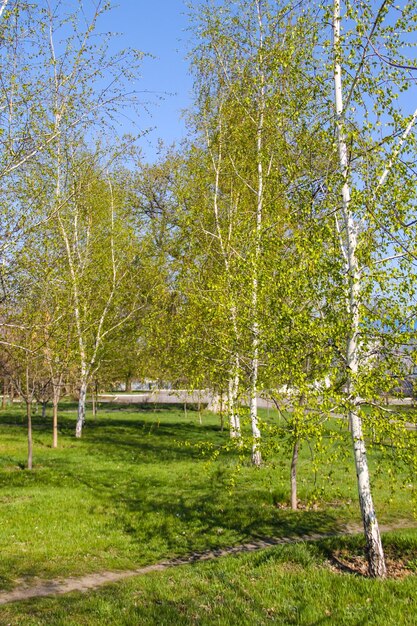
x,y
142,486
290,584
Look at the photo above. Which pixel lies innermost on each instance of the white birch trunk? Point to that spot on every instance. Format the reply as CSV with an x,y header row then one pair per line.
x,y
94,398
233,392
28,397
55,401
238,432
57,389
370,523
81,409
70,253
234,378
256,434
29,427
253,407
3,6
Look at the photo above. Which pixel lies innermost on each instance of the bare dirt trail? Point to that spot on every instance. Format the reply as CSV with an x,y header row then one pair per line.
x,y
94,581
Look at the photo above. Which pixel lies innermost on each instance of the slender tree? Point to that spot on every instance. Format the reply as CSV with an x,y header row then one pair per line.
x,y
369,220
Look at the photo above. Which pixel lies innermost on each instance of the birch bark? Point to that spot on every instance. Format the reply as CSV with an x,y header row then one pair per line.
x,y
55,401
234,418
353,288
26,391
234,378
256,433
3,6
81,409
29,427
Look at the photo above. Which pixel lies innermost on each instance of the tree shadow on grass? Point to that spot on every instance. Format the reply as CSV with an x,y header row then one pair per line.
x,y
149,440
148,407
397,546
120,430
165,496
162,443
183,514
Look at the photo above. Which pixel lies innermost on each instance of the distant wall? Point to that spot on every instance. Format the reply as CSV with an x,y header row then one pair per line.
x,y
172,396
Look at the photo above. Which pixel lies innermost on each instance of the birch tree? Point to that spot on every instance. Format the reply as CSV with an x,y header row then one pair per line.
x,y
100,252
372,218
22,337
252,112
59,84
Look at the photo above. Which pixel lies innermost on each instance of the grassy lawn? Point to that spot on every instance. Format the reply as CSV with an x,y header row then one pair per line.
x,y
290,584
142,486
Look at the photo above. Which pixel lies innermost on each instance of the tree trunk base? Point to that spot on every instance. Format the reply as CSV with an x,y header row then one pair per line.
x,y
294,501
375,552
256,457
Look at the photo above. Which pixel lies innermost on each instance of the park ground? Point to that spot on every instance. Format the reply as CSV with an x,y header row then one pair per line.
x,y
145,485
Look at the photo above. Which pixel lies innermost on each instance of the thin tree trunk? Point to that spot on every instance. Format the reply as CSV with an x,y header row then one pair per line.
x,y
3,6
375,552
234,420
81,409
96,397
93,399
221,412
57,391
128,384
233,388
294,460
43,410
3,400
295,451
29,425
55,420
256,433
231,409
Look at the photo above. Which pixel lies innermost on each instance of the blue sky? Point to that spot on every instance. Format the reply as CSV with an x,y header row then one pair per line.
x,y
157,27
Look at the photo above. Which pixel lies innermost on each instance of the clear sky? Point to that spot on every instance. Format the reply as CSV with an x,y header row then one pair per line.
x,y
157,27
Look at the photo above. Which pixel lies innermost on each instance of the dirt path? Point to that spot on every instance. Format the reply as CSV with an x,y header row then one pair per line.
x,y
93,581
